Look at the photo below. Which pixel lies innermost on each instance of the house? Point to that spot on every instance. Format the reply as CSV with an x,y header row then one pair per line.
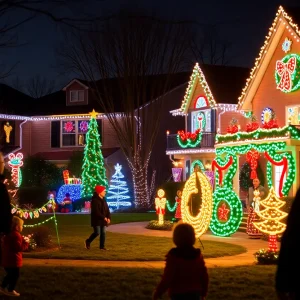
x,y
271,94
209,103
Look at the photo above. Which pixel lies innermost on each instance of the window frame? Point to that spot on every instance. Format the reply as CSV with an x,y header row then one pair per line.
x,y
76,133
287,114
77,96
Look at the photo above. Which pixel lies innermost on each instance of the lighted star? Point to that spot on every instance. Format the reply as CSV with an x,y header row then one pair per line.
x,y
223,212
93,114
118,167
286,45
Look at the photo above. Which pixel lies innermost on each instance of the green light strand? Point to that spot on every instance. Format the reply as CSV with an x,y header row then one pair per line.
x,y
171,209
189,143
199,163
40,223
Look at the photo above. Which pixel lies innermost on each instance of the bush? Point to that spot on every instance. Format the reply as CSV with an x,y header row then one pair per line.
x,y
168,226
79,204
41,236
37,196
266,257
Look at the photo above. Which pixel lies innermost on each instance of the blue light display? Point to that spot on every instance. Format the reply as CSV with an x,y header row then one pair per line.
x,y
73,189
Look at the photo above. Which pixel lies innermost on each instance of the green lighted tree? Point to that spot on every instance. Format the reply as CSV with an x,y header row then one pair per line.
x,y
93,170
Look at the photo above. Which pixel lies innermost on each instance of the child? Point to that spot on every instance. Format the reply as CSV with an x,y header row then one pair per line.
x,y
12,246
185,275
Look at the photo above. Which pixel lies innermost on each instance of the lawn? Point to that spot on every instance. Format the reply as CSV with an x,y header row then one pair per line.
x,y
74,229
252,282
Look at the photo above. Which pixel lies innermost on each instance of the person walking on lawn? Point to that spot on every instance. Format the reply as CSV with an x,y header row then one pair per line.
x,y
100,217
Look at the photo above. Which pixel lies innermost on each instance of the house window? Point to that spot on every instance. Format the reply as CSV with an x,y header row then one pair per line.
x,y
200,102
277,175
293,115
201,119
74,133
77,96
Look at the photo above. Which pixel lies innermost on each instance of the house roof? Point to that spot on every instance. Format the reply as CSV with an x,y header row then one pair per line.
x,y
66,155
14,102
221,84
292,17
55,103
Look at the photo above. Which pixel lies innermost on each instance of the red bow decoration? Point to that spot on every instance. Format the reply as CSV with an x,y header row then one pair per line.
x,y
252,126
215,165
252,157
271,124
285,70
188,135
232,129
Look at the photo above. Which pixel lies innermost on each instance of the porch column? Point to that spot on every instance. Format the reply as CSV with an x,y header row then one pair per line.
x,y
236,180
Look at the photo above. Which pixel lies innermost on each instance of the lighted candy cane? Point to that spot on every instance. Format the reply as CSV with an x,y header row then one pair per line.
x,y
15,162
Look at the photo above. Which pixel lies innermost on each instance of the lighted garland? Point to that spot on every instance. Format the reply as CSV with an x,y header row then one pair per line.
x,y
189,142
221,165
231,225
199,163
201,221
41,223
171,209
290,166
260,133
287,73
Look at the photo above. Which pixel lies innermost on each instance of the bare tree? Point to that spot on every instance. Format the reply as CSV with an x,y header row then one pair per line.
x,y
209,47
135,57
39,86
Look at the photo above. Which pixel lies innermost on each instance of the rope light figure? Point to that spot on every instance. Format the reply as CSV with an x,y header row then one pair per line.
x,y
16,162
160,206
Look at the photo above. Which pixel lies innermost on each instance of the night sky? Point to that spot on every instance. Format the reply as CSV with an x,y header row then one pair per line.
x,y
245,24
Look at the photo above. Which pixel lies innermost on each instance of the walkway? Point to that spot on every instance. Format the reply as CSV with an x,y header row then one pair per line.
x,y
138,228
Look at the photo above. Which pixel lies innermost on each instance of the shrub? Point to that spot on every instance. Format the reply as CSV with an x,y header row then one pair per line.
x,y
168,225
42,237
37,196
266,257
79,204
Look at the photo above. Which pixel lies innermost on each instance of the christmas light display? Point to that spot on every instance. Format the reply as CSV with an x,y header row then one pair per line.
x,y
16,162
211,177
260,134
288,173
73,189
170,208
287,73
251,230
69,126
266,115
201,102
221,165
83,126
160,206
271,217
7,129
197,162
286,45
197,74
188,139
94,172
281,16
176,172
223,212
200,222
252,157
233,126
118,190
253,125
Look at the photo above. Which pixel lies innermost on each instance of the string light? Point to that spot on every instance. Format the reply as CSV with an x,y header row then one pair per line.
x,y
197,74
190,151
118,190
40,223
73,189
263,50
170,208
200,222
94,172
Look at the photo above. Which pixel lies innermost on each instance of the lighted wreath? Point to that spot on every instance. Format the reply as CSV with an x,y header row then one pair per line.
x,y
69,126
287,73
188,139
200,222
84,126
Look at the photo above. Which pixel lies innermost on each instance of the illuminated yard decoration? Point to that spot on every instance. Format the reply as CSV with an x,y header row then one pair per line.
x,y
73,189
200,222
16,162
160,206
287,73
188,139
227,207
271,217
199,163
117,194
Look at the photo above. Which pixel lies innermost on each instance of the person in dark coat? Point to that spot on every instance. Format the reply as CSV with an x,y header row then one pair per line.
x,y
5,208
287,275
100,217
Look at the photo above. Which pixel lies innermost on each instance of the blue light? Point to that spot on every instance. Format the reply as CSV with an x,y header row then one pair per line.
x,y
73,189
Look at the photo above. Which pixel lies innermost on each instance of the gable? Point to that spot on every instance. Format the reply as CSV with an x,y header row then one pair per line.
x,y
271,52
197,92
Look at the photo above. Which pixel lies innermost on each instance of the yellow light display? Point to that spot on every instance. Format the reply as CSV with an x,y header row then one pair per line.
x,y
160,206
201,221
271,215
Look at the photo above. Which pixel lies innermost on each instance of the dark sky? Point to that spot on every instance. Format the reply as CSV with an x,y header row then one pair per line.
x,y
244,22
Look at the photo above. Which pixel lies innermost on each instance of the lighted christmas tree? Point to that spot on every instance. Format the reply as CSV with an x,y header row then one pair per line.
x,y
271,217
118,190
93,170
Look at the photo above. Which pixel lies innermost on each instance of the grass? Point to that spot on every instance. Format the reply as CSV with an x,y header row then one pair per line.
x,y
74,230
251,282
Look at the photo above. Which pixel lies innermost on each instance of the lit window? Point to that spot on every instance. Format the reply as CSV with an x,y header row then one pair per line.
x,y
278,171
200,102
201,119
77,96
293,115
